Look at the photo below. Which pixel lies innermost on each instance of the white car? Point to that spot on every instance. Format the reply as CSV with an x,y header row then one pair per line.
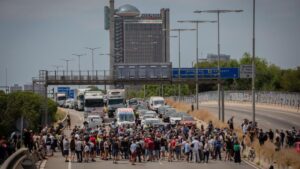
x,y
147,116
69,103
175,118
93,121
155,102
150,122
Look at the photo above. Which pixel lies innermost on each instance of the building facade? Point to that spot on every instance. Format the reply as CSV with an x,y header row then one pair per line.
x,y
214,57
136,37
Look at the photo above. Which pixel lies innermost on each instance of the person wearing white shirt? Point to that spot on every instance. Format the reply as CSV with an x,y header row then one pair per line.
x,y
195,148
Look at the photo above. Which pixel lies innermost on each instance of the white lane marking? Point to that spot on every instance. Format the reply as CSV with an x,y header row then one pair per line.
x,y
43,164
70,164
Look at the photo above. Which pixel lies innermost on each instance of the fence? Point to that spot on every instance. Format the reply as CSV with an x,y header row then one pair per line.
x,y
284,99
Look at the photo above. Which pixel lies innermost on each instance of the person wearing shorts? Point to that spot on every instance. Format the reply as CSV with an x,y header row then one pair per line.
x,y
66,147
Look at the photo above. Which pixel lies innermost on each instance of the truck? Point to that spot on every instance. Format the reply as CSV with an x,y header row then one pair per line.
x,y
79,99
115,99
94,102
61,99
155,102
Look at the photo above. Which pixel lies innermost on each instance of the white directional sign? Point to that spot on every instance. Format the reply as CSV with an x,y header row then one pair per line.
x,y
246,71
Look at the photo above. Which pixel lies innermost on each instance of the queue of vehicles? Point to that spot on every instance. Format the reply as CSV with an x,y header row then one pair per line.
x,y
97,106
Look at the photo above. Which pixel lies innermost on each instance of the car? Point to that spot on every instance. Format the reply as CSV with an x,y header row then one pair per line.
x,y
70,103
141,106
188,121
147,116
141,112
132,103
167,114
162,109
149,122
93,121
149,112
175,118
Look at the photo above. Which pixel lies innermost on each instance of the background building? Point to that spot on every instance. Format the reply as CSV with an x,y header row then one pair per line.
x,y
15,88
214,57
136,37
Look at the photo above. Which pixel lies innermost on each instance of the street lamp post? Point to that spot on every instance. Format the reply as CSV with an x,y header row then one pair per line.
x,y
219,72
179,60
79,55
92,50
197,22
253,67
67,64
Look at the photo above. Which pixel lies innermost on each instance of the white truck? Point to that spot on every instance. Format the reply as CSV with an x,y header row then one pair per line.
x,y
94,102
115,99
155,102
61,99
79,98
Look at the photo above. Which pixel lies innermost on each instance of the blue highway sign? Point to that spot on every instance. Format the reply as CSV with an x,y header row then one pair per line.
x,y
206,73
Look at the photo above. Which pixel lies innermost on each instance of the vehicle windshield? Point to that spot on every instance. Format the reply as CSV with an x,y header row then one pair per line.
x,y
176,115
152,121
95,119
94,103
126,117
61,98
133,102
188,118
158,102
115,101
81,97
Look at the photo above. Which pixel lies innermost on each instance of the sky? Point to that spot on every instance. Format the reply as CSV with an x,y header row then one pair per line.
x,y
37,34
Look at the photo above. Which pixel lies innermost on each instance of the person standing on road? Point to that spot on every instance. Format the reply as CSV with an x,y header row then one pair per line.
x,y
195,147
78,149
237,152
72,148
66,147
206,151
218,146
133,148
115,149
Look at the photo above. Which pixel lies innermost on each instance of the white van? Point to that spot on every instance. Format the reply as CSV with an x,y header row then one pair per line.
x,y
125,116
155,102
93,121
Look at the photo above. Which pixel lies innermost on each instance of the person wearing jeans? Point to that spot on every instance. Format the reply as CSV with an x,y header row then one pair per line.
x,y
206,151
78,149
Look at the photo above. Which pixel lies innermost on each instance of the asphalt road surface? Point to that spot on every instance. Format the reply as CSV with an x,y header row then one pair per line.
x,y
58,162
266,116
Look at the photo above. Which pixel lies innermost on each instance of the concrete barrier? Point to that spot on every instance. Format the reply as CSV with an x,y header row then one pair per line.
x,y
13,161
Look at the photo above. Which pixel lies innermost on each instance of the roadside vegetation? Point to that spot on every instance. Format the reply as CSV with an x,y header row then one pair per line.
x,y
27,104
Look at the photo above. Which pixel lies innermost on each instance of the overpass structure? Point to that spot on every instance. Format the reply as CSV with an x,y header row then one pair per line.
x,y
132,75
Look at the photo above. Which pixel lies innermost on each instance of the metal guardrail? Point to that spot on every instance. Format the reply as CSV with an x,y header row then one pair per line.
x,y
282,99
10,163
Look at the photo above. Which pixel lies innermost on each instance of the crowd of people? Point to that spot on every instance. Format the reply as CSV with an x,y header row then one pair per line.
x,y
138,144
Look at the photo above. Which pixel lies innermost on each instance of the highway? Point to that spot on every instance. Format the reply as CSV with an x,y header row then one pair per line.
x,y
58,162
266,116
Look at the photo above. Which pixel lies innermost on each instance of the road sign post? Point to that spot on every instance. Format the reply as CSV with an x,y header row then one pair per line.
x,y
246,71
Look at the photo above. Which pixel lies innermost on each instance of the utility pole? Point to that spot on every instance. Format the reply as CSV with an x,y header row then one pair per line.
x,y
218,12
67,64
179,59
253,66
197,22
79,56
92,50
